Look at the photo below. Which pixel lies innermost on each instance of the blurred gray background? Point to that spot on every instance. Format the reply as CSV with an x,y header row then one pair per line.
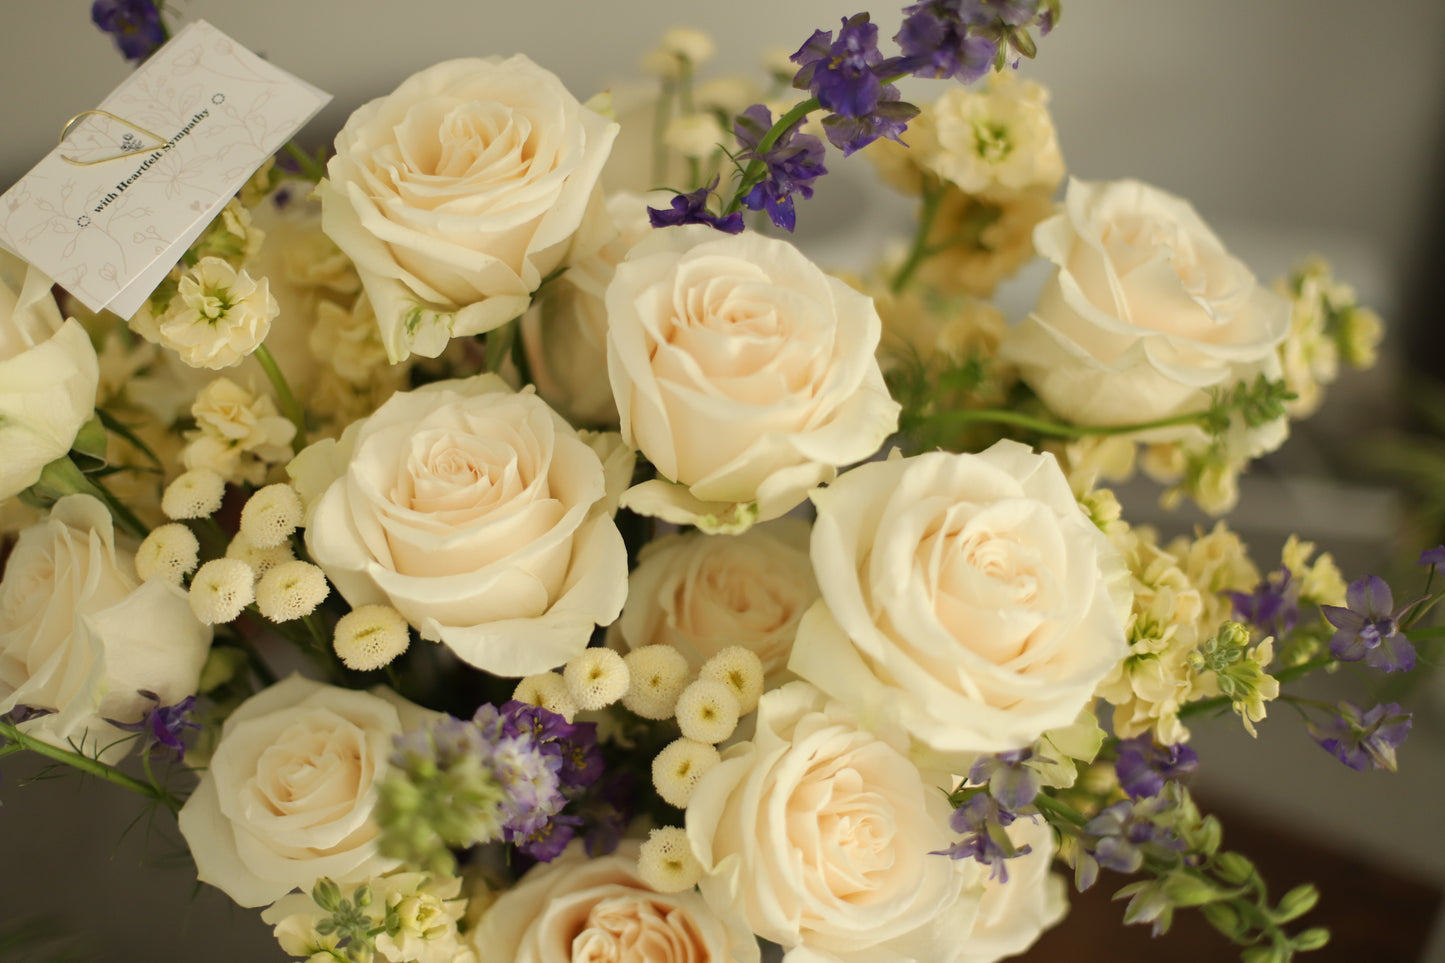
x,y
1293,125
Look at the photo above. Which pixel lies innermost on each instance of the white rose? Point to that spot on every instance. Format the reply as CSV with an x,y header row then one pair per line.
x,y
456,194
1146,313
821,835
1013,913
599,911
48,377
702,593
477,513
81,634
967,598
289,793
743,372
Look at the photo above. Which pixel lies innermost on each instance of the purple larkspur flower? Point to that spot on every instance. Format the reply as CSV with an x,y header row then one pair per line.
x,y
135,24
1273,605
1433,556
888,121
982,823
1143,767
574,745
1368,627
1010,779
1121,834
793,163
1364,740
692,208
840,72
163,727
936,42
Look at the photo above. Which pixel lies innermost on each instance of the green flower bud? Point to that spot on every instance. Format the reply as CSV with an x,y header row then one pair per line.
x,y
1225,919
1234,868
1183,888
1311,939
326,894
1296,903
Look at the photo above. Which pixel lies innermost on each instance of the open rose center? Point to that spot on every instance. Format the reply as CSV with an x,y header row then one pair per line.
x,y
315,771
625,930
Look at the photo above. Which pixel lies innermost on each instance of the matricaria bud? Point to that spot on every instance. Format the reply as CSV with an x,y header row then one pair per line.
x,y
666,863
169,552
546,690
370,637
221,590
741,671
194,494
658,674
707,711
271,515
679,766
291,590
596,678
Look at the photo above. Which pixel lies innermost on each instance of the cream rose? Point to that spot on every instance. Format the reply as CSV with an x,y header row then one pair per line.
x,y
81,634
1145,314
821,835
967,598
456,194
289,793
702,593
743,372
48,377
580,910
480,515
1013,913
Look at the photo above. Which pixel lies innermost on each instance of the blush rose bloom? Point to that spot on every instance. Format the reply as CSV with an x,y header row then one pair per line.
x,y
289,793
456,194
1144,314
81,634
743,372
966,598
599,911
48,377
477,513
702,593
820,835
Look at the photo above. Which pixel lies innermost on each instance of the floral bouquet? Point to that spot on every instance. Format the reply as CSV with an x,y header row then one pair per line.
x,y
494,540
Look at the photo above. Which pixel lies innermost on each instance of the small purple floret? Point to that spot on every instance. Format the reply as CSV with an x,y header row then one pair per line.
x,y
793,163
1433,556
1364,740
163,726
1010,779
135,24
1143,767
1368,627
692,209
1273,605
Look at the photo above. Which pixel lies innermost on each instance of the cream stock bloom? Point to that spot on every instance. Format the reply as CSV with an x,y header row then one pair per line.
x,y
218,316
819,835
456,194
967,598
1145,313
994,142
80,633
289,793
479,514
702,593
584,910
48,377
743,372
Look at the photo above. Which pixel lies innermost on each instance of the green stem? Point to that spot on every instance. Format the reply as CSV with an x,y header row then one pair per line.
x,y
311,168
755,169
85,764
1056,812
920,252
290,407
1058,429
